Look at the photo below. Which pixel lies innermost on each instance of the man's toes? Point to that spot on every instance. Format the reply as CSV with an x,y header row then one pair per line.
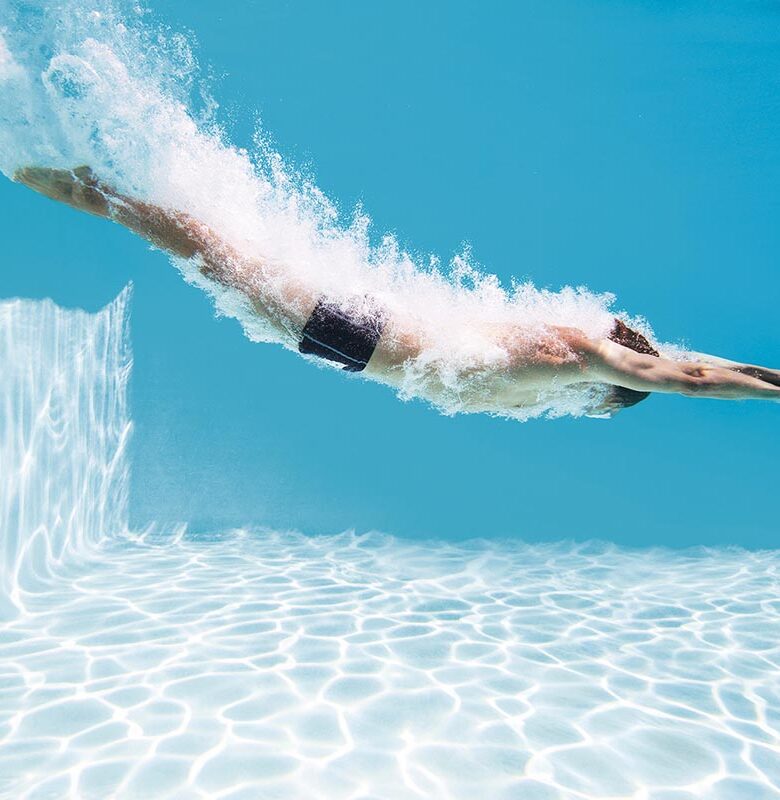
x,y
31,176
44,178
58,184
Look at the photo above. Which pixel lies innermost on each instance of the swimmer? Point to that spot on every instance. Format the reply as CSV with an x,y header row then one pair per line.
x,y
361,336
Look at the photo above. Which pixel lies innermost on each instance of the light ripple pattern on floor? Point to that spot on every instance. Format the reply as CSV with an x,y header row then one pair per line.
x,y
270,665
260,664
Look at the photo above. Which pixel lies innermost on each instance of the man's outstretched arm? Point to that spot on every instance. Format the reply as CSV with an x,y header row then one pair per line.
x,y
620,366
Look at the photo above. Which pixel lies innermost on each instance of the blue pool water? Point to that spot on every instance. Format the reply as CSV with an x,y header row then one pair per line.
x,y
165,629
261,663
626,146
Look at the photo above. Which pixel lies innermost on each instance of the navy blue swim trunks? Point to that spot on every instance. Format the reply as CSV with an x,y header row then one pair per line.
x,y
337,333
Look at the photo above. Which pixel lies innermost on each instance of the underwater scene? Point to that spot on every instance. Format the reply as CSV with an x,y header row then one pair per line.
x,y
174,623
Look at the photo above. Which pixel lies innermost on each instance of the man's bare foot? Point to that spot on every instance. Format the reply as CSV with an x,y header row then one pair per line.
x,y
76,187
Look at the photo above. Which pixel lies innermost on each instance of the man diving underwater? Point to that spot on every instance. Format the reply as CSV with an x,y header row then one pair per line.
x,y
362,335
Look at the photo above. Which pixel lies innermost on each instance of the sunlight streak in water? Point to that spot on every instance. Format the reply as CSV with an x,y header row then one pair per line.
x,y
64,428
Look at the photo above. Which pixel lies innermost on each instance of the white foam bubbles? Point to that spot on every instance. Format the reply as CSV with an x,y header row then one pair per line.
x,y
96,82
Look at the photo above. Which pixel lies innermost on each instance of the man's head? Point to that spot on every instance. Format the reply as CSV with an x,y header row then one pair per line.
x,y
623,335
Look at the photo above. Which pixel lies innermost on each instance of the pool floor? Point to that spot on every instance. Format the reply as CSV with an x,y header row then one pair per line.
x,y
274,665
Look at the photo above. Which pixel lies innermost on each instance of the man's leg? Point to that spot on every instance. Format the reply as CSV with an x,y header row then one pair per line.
x,y
275,293
76,187
79,188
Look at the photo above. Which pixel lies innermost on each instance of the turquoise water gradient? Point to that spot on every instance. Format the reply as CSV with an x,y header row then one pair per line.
x,y
629,146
